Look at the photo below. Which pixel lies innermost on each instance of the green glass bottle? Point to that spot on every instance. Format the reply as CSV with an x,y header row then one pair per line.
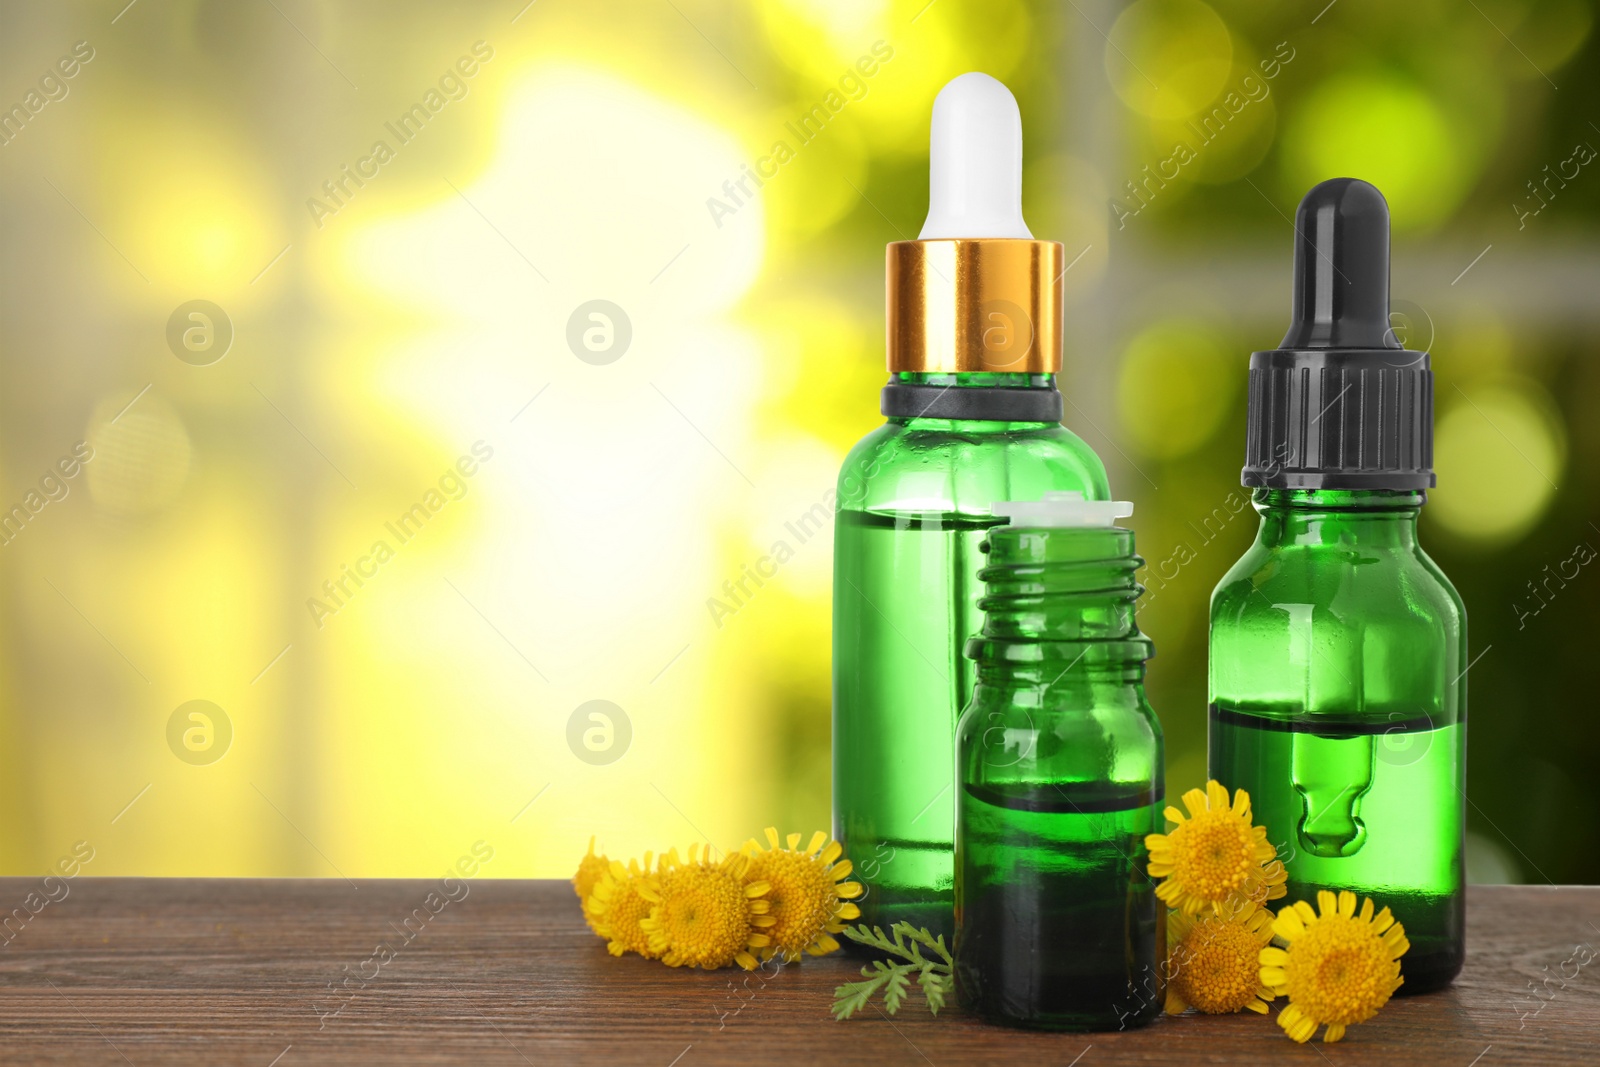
x,y
1059,761
915,506
974,342
1338,649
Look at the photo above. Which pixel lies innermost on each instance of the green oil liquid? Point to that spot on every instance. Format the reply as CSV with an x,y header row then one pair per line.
x,y
1375,808
905,601
1060,928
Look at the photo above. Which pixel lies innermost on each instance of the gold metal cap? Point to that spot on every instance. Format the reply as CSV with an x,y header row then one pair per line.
x,y
985,304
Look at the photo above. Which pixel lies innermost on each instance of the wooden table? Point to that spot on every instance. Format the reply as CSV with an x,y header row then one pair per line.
x,y
146,971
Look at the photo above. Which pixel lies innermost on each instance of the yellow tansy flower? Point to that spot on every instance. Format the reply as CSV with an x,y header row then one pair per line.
x,y
1339,967
591,869
617,909
809,894
1213,961
706,914
1214,859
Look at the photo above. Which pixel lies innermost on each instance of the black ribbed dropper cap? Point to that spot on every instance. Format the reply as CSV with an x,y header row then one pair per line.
x,y
1340,405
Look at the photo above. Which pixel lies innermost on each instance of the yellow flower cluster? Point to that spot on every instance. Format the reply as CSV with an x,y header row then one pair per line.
x,y
1336,966
750,905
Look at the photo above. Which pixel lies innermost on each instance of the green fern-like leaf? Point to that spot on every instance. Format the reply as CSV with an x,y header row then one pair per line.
x,y
872,936
895,987
935,987
908,943
853,996
923,938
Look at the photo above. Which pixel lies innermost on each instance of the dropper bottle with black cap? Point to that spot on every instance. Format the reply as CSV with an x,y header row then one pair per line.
x,y
1338,648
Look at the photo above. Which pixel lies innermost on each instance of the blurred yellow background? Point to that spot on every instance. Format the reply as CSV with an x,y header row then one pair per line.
x,y
423,371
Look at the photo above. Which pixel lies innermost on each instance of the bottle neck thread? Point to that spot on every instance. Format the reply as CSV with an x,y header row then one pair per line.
x,y
1057,597
1373,518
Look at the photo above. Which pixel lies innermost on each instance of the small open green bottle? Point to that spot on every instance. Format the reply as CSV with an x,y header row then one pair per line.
x,y
1059,774
1338,648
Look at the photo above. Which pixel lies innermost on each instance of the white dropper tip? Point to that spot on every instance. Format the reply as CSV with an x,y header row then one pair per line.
x,y
975,162
1064,509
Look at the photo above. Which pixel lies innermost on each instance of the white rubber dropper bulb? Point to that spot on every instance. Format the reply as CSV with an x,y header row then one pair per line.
x,y
975,162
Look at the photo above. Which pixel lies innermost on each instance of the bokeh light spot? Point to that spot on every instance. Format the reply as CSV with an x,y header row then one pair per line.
x,y
1238,139
1386,130
1499,451
1174,387
1168,58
